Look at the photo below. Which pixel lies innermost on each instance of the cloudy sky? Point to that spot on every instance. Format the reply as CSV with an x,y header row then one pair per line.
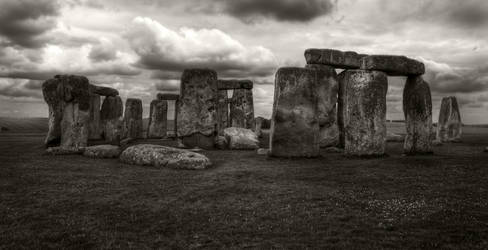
x,y
141,47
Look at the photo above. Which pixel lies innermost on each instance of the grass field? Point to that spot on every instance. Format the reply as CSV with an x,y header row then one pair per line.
x,y
246,200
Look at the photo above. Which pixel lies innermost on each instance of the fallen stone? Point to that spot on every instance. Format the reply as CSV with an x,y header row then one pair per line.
x,y
334,58
295,125
164,157
132,127
393,65
241,113
158,119
417,107
392,137
449,125
197,105
111,119
65,150
241,138
327,89
262,151
365,113
102,151
168,97
199,140
234,84
221,142
103,91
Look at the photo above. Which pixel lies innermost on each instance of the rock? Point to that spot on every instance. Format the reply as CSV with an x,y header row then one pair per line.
x,y
234,84
103,91
94,122
436,143
365,112
111,117
294,122
199,140
102,151
327,89
334,58
221,142
197,111
258,124
392,137
262,151
241,138
164,157
56,107
161,96
242,109
222,111
341,105
334,150
417,107
158,119
65,150
393,65
449,126
126,141
132,127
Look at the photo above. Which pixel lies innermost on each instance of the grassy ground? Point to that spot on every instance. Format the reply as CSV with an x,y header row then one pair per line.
x,y
246,200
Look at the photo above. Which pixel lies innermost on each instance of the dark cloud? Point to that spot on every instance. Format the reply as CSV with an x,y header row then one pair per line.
x,y
19,88
23,22
167,86
457,83
101,53
468,13
281,10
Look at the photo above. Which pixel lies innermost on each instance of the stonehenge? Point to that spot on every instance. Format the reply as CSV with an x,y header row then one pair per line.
x,y
170,98
158,114
449,125
94,129
240,112
132,125
111,119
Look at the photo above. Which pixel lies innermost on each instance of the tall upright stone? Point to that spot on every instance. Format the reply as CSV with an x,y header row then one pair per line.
x,y
197,108
158,119
341,106
132,126
111,119
365,112
417,108
294,122
449,126
242,109
222,111
327,89
175,98
94,126
56,107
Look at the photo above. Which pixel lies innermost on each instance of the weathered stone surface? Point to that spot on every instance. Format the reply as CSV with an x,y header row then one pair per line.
x,y
341,105
158,119
327,90
56,107
258,126
262,151
393,65
65,150
197,105
111,117
294,123
234,84
392,137
449,126
334,150
103,91
241,138
94,124
164,157
102,151
365,112
199,140
334,58
417,108
242,109
74,126
222,111
221,142
132,127
167,97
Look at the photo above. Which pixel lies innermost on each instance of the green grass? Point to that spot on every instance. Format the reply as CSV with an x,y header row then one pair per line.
x,y
246,200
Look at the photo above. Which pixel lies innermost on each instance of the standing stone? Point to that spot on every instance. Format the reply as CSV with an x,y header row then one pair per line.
x,y
74,91
365,112
56,107
171,97
222,111
94,126
258,126
294,122
417,107
111,116
341,107
132,127
449,126
327,89
242,109
197,111
158,118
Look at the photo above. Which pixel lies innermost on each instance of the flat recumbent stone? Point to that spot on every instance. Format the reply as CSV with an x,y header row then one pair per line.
x,y
334,58
393,65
